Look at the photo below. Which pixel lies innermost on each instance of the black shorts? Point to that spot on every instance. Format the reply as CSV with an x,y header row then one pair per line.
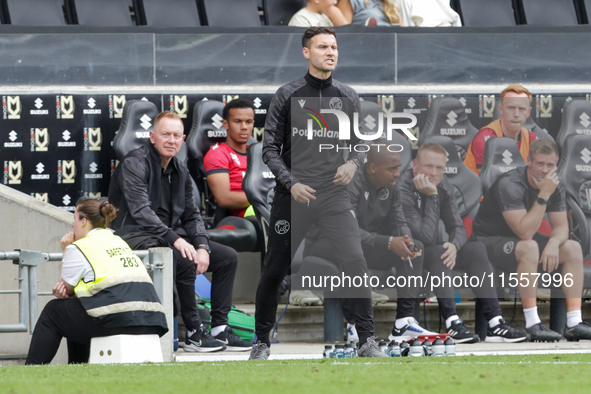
x,y
501,250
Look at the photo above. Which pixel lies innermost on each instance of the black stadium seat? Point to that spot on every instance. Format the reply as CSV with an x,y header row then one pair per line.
x,y
169,13
370,126
576,119
35,12
549,13
107,13
447,117
574,171
482,13
258,184
501,155
136,123
230,13
279,12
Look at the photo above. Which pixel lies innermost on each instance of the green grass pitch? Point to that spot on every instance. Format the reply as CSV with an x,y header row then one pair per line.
x,y
463,375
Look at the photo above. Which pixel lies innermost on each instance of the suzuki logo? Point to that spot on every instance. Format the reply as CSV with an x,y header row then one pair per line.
x,y
12,136
451,118
181,106
93,167
146,122
463,101
40,168
216,121
14,107
370,122
41,140
15,172
91,103
257,102
411,102
38,103
95,138
67,107
585,119
507,157
66,135
66,200
586,155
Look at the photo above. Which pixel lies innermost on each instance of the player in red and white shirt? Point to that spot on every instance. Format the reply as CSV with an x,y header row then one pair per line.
x,y
225,163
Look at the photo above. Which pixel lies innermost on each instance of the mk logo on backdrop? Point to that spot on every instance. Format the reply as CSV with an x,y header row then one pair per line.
x,y
66,171
486,106
179,105
116,105
65,107
39,140
388,104
13,172
11,107
258,133
226,98
93,138
94,195
42,197
544,106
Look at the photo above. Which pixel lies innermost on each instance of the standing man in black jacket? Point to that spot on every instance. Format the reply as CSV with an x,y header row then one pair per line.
x,y
152,189
311,185
427,197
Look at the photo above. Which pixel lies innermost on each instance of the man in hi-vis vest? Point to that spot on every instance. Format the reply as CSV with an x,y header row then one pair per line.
x,y
104,290
514,110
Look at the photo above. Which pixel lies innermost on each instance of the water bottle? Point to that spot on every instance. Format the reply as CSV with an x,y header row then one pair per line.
x,y
349,352
394,349
404,349
354,347
339,351
450,347
438,348
416,349
383,347
428,347
327,351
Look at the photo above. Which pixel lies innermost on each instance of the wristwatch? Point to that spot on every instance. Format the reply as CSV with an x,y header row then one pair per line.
x,y
206,247
541,201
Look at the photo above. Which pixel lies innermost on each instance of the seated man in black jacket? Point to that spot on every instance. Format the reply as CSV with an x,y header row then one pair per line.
x,y
385,237
152,190
427,197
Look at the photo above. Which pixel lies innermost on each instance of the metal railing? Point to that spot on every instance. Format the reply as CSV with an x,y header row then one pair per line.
x,y
158,262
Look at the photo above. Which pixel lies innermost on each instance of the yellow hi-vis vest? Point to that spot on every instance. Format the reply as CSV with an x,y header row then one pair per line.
x,y
122,293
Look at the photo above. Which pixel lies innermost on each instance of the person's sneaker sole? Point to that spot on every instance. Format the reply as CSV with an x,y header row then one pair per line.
x,y
198,349
506,340
474,339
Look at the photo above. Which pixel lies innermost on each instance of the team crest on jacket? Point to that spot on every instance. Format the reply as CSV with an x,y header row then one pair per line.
x,y
384,194
281,227
508,247
336,103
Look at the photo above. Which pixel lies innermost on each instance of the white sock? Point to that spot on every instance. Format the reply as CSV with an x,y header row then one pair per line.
x,y
573,318
450,319
400,323
531,317
349,325
494,321
216,330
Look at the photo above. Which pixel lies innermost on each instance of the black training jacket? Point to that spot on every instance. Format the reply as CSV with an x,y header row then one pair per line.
x,y
286,121
423,212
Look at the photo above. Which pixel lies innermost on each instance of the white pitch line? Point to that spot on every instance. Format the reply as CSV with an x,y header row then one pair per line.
x,y
311,356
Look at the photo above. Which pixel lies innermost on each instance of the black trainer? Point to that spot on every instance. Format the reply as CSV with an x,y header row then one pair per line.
x,y
460,333
201,341
233,342
259,351
504,332
539,333
580,331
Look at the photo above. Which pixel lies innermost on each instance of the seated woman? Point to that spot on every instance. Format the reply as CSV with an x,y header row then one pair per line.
x,y
370,12
104,290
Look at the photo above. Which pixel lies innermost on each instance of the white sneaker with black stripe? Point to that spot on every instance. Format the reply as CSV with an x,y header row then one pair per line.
x,y
460,333
504,332
410,331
